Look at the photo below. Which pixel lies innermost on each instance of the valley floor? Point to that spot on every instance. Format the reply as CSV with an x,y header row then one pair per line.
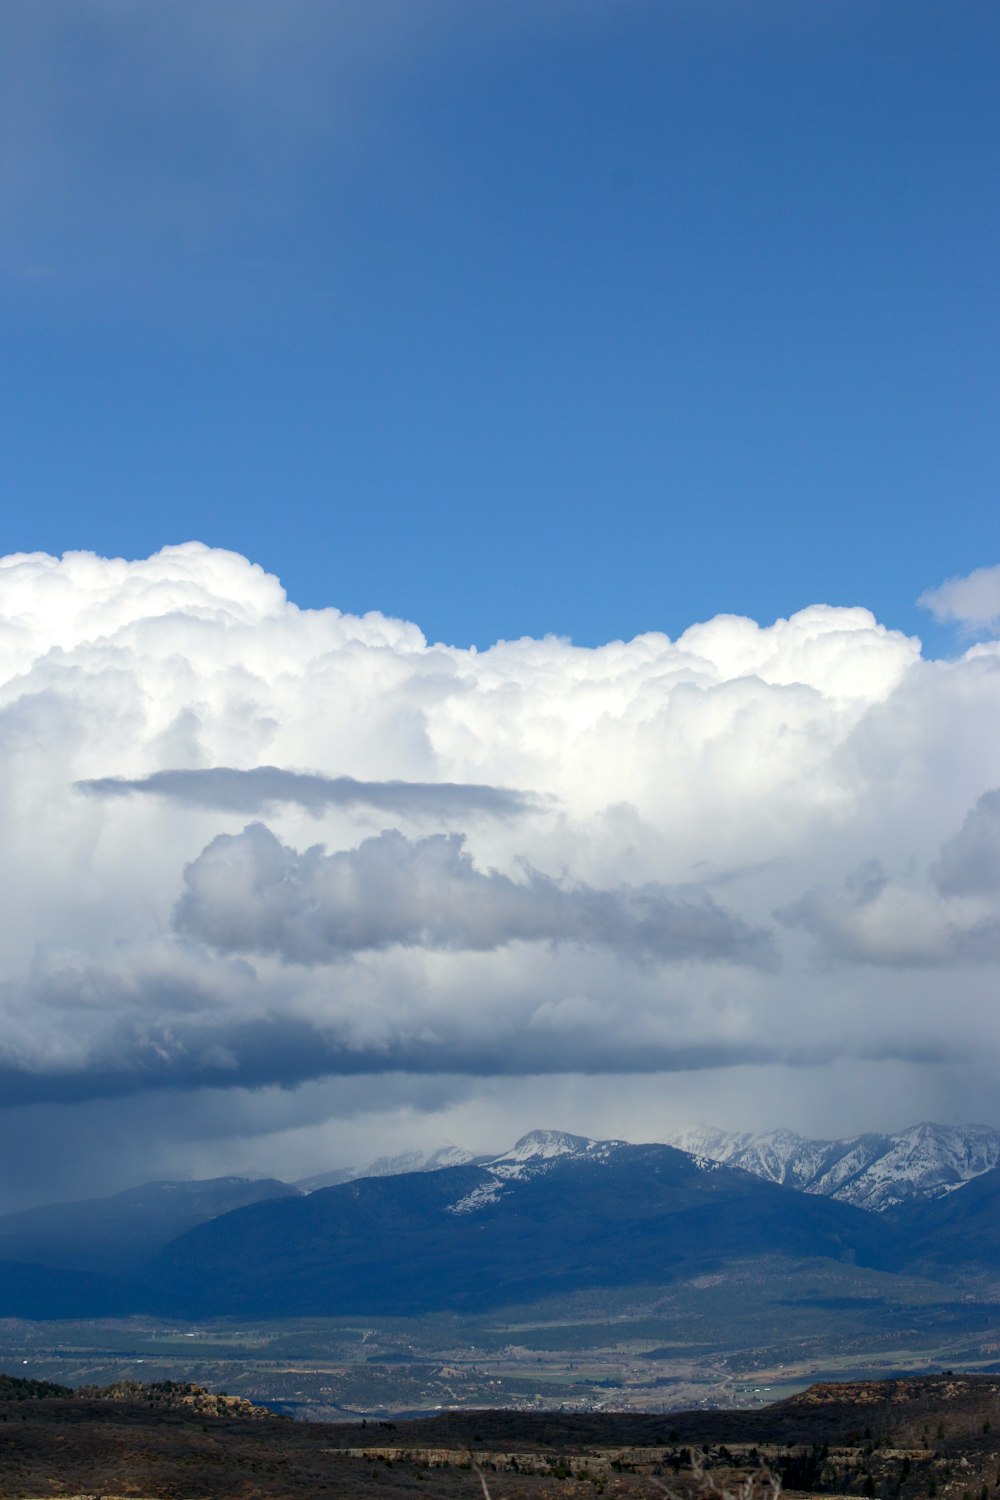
x,y
739,1339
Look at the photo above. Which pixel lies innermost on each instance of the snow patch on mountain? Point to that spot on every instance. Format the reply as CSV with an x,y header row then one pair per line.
x,y
480,1197
706,1163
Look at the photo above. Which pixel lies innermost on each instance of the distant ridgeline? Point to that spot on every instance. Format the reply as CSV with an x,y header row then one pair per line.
x,y
557,1214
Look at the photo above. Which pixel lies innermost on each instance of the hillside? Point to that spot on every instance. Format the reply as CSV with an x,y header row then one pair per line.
x,y
30,1291
524,1227
959,1231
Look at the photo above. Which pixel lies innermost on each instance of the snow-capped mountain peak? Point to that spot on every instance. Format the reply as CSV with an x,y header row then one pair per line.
x,y
875,1172
540,1145
532,1155
391,1166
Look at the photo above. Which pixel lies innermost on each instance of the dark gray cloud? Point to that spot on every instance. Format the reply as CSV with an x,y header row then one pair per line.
x,y
280,1051
969,863
251,893
192,1054
224,789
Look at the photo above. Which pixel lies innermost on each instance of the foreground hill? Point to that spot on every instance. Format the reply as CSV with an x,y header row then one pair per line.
x,y
545,1219
865,1438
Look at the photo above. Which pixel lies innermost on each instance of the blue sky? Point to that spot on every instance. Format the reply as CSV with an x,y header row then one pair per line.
x,y
590,317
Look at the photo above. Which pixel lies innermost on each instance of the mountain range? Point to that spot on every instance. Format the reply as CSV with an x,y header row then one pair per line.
x,y
555,1214
874,1172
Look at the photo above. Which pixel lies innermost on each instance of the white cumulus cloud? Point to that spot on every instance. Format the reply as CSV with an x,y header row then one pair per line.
x,y
757,845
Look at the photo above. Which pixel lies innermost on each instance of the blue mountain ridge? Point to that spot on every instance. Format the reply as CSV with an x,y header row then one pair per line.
x,y
467,1240
557,1214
